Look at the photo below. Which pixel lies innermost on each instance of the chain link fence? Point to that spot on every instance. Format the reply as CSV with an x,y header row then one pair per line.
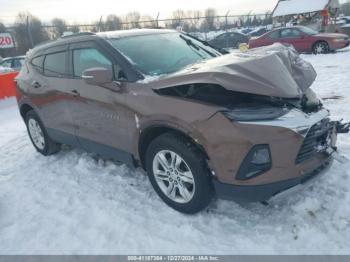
x,y
28,31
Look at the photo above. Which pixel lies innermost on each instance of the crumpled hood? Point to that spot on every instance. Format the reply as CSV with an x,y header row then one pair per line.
x,y
274,70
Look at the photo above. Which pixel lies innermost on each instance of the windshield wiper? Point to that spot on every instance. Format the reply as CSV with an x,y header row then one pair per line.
x,y
190,43
219,50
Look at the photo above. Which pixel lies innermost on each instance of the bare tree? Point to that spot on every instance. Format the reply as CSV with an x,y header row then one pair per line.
x,y
112,23
345,8
133,19
28,33
194,20
59,27
2,28
208,23
178,19
148,21
74,28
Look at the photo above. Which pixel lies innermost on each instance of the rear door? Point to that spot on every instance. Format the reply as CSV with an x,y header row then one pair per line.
x,y
50,94
269,39
98,112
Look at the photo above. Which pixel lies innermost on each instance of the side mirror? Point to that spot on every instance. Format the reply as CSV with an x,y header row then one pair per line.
x,y
97,76
100,76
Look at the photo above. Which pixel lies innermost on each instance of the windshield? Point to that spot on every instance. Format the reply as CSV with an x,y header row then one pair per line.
x,y
308,31
165,53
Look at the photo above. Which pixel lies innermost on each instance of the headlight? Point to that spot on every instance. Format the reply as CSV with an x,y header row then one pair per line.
x,y
339,39
255,113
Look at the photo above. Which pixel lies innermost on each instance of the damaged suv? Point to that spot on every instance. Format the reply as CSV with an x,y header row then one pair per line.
x,y
242,126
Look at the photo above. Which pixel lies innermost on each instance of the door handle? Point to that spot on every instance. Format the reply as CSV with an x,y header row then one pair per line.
x,y
75,92
36,84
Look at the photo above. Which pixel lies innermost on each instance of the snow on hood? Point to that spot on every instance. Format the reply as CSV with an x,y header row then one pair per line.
x,y
275,70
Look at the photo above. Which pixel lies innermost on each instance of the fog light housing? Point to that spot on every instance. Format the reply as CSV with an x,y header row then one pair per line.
x,y
261,156
257,162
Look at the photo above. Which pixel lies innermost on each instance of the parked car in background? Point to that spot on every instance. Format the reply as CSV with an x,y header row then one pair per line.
x,y
304,40
258,32
229,40
15,63
5,70
343,20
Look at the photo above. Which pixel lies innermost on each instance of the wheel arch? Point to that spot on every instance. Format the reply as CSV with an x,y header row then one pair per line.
x,y
152,132
24,109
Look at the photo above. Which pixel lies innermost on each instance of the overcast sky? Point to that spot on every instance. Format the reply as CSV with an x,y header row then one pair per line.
x,y
87,11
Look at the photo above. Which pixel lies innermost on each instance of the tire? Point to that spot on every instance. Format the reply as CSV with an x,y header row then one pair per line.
x,y
38,135
320,47
191,194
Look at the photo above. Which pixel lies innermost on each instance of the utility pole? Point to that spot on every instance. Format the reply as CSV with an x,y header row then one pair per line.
x,y
29,33
100,24
157,20
226,20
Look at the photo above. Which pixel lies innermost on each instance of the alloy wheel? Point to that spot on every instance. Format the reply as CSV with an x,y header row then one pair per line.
x,y
36,133
173,176
320,48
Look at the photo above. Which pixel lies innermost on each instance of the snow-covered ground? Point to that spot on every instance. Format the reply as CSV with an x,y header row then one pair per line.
x,y
73,203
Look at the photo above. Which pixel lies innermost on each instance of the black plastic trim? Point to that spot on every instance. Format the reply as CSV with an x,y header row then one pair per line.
x,y
247,166
264,192
92,146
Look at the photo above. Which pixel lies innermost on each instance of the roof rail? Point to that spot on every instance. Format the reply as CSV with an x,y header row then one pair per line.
x,y
78,34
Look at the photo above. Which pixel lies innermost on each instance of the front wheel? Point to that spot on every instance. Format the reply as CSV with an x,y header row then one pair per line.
x,y
320,48
178,172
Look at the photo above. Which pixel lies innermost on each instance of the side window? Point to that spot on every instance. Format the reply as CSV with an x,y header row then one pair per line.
x,y
221,37
38,63
6,63
296,33
290,33
88,58
17,63
275,35
55,64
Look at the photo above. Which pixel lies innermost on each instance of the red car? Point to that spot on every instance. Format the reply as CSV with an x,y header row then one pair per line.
x,y
304,40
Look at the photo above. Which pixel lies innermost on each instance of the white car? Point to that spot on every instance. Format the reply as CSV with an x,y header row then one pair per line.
x,y
5,69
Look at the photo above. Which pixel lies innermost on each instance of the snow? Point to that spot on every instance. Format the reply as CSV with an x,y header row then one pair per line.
x,y
75,203
5,70
149,78
292,7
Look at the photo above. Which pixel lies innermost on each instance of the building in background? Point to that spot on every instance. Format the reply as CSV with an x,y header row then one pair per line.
x,y
317,14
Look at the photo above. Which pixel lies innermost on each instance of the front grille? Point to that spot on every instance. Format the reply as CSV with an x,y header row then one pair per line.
x,y
315,140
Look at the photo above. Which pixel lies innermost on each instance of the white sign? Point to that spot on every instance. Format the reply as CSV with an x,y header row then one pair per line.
x,y
6,40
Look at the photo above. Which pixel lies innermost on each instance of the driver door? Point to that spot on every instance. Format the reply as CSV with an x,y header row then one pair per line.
x,y
293,37
98,112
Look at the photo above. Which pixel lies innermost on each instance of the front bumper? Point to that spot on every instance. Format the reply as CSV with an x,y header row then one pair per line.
x,y
286,136
340,44
256,193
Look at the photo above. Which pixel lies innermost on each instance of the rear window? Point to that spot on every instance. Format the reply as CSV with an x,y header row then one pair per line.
x,y
55,64
275,34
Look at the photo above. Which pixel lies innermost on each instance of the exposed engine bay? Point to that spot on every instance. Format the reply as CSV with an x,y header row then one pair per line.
x,y
244,106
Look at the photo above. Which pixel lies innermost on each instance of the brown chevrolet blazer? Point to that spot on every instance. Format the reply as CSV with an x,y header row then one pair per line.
x,y
201,122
